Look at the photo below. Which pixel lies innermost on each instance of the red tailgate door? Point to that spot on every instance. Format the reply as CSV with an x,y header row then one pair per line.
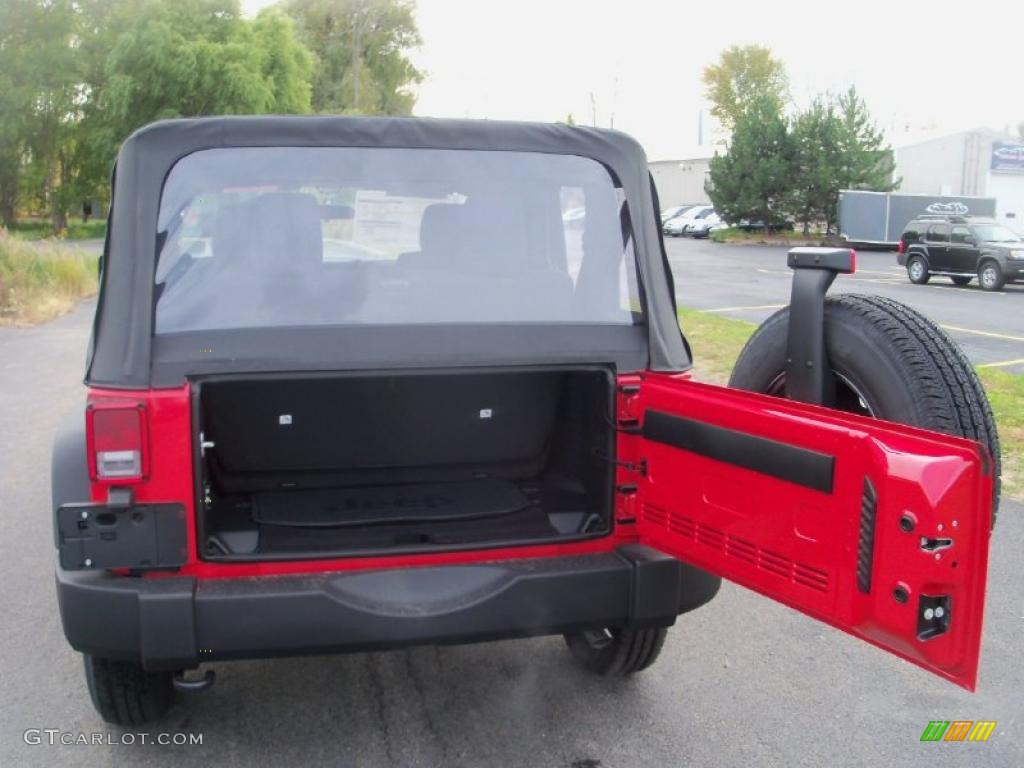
x,y
878,529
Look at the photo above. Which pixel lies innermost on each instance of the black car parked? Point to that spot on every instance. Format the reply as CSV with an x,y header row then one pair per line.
x,y
961,248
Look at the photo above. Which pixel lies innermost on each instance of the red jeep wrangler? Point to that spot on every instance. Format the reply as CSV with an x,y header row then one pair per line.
x,y
360,383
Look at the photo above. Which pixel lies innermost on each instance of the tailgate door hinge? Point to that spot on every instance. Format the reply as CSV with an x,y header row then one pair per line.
x,y
625,503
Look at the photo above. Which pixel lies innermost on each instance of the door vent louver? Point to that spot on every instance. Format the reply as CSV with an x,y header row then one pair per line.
x,y
735,547
866,538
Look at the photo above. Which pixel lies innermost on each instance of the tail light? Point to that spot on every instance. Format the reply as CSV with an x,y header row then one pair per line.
x,y
901,247
853,261
116,432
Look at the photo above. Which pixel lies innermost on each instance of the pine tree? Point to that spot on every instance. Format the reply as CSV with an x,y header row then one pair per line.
x,y
836,146
867,162
751,180
817,164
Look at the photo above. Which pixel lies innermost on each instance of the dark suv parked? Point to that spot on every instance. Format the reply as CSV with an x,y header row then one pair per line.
x,y
961,248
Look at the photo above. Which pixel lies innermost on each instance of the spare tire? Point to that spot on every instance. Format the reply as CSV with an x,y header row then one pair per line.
x,y
890,362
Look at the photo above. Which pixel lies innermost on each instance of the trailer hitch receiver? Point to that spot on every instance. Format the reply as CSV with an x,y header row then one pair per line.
x,y
809,376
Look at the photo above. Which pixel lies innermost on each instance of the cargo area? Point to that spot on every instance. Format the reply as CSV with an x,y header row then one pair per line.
x,y
314,466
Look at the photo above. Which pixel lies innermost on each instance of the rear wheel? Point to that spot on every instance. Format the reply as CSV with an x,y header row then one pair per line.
x,y
616,652
961,279
126,694
990,276
890,362
917,270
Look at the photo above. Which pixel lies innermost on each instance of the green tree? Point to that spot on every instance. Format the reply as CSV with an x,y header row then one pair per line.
x,y
287,64
817,164
743,75
836,146
360,49
101,23
751,180
167,64
867,161
147,60
15,103
39,104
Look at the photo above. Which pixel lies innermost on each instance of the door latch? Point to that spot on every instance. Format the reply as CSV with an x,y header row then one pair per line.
x,y
935,545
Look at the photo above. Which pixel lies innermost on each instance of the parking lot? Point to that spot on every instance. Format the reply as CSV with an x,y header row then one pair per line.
x,y
750,282
742,681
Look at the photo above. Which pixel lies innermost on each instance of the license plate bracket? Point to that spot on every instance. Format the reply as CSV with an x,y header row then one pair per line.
x,y
140,536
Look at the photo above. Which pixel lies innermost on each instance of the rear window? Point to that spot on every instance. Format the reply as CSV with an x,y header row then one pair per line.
x,y
912,232
260,237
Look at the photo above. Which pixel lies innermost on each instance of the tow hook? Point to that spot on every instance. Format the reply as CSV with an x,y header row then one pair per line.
x,y
808,374
185,685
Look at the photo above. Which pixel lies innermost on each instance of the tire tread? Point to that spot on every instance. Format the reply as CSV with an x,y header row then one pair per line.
x,y
124,693
632,651
948,394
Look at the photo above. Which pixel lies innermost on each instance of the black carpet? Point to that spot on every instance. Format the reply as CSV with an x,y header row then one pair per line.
x,y
394,504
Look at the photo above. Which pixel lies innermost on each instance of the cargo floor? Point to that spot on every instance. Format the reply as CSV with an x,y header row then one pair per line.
x,y
380,517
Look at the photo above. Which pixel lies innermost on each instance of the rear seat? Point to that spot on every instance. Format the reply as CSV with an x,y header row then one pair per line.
x,y
475,260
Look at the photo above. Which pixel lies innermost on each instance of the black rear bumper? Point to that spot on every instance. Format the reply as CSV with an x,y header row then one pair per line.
x,y
177,623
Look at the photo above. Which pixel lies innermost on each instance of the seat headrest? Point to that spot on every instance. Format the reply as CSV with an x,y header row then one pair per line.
x,y
477,236
442,228
274,229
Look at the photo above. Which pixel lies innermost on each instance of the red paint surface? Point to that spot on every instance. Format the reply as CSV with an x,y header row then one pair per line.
x,y
799,546
171,479
790,543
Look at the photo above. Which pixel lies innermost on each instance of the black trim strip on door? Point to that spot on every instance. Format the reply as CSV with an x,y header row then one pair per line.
x,y
791,463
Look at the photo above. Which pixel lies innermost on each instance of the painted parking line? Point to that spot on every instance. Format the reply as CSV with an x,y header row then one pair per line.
x,y
747,309
1003,363
989,334
956,328
856,276
888,273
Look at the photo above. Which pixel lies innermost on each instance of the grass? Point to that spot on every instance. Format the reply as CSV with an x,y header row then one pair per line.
x,y
39,229
41,280
1006,393
718,341
790,237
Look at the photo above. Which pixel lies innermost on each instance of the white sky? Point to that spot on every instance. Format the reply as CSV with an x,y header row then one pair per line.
x,y
933,66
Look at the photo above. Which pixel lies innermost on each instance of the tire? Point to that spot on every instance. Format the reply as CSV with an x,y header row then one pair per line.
x,y
126,694
891,362
961,280
616,652
917,270
990,276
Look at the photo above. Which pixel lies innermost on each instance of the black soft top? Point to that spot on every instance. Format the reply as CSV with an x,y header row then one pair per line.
x,y
124,352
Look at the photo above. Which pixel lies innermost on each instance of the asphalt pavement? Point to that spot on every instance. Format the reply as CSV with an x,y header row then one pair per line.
x,y
741,682
750,282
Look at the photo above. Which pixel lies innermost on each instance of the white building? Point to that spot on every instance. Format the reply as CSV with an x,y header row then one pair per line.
x,y
978,163
682,181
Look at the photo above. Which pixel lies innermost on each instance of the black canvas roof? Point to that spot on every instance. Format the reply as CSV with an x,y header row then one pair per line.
x,y
125,354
